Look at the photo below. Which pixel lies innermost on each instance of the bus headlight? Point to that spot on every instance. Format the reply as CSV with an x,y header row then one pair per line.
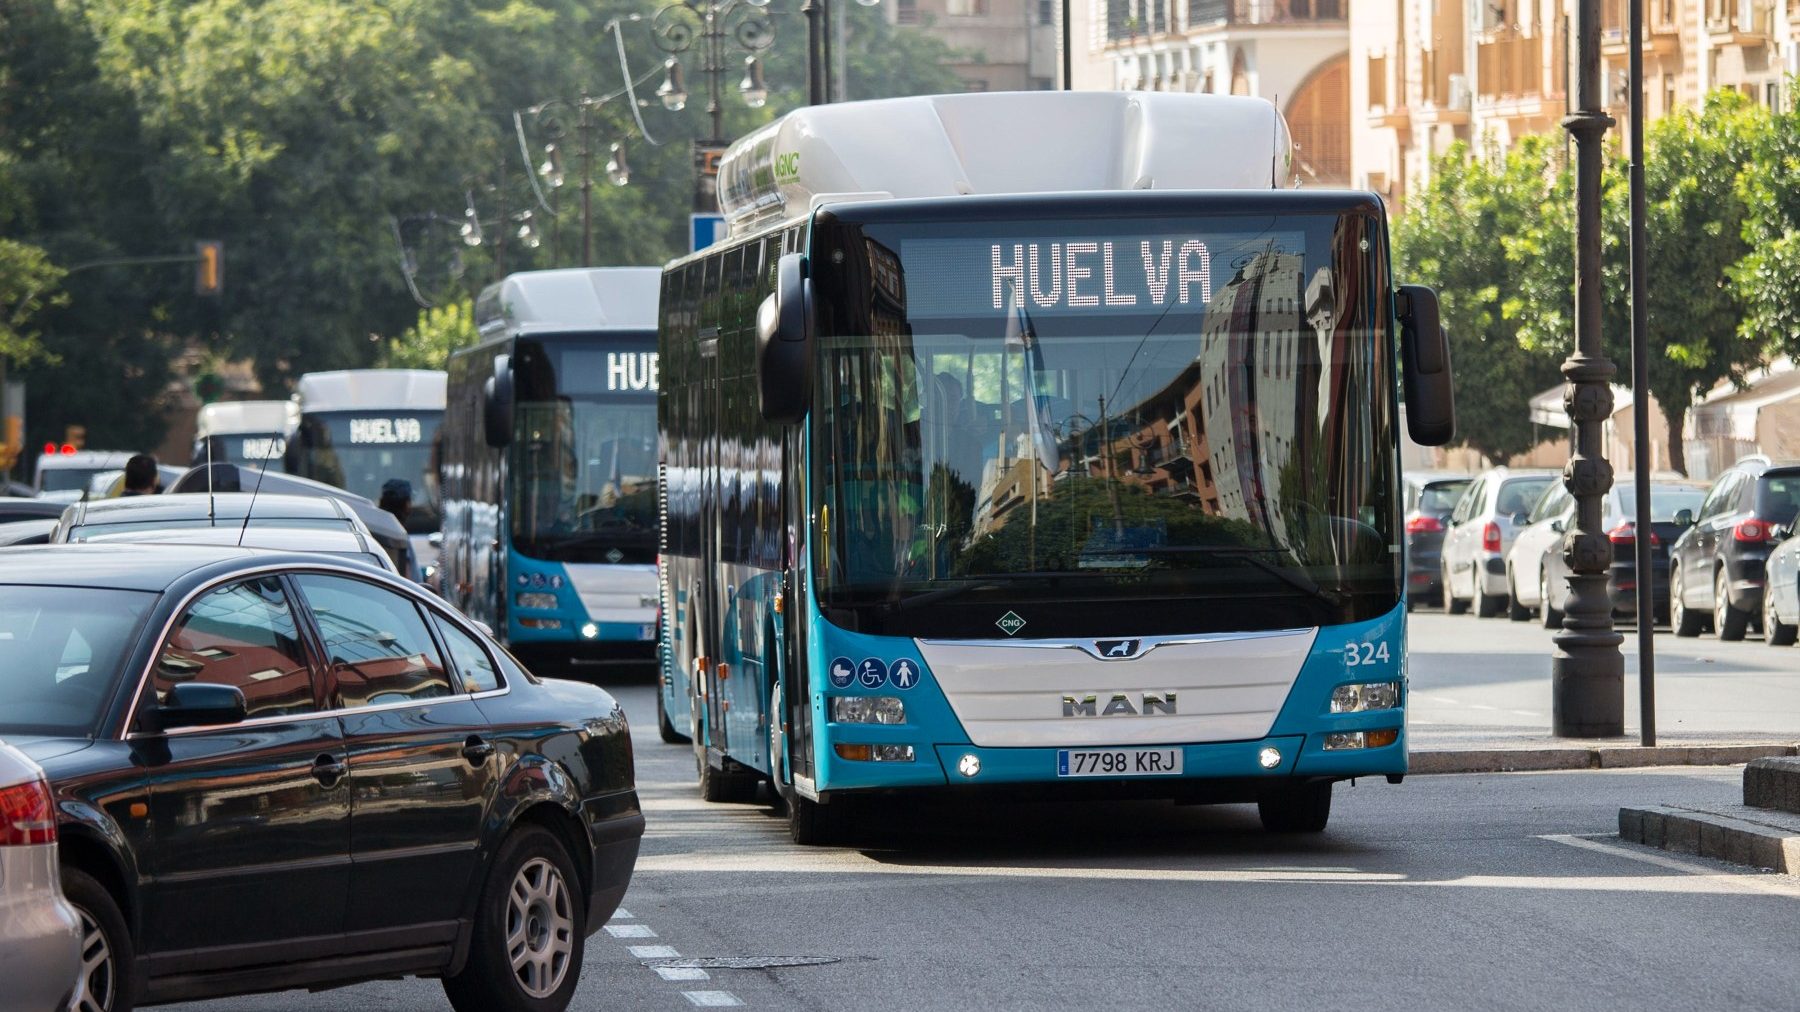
x,y
1361,739
868,710
1360,696
540,602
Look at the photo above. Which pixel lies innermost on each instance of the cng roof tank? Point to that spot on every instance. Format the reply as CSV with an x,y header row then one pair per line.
x,y
571,300
1006,142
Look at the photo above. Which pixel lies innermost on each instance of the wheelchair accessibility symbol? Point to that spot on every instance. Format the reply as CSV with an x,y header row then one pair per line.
x,y
873,673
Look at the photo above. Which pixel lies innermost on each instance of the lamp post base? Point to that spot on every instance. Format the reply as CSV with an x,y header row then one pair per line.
x,y
1587,694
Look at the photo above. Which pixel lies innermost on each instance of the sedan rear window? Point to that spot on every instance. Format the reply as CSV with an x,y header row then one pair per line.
x,y
61,649
1520,494
1440,497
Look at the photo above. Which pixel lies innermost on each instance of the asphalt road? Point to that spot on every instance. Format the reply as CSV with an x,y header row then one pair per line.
x,y
1486,681
1458,892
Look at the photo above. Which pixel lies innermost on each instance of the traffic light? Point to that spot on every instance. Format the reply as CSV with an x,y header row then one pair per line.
x,y
209,267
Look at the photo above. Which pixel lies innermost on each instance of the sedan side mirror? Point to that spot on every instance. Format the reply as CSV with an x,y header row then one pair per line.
x,y
1425,367
1521,519
197,704
1684,518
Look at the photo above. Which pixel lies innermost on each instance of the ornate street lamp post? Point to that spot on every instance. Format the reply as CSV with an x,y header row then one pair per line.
x,y
1587,671
717,32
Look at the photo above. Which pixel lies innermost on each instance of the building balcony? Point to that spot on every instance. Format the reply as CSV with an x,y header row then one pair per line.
x,y
1744,23
1208,13
1513,72
1381,117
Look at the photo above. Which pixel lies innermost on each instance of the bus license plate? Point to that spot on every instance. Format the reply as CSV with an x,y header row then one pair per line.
x,y
646,633
1118,762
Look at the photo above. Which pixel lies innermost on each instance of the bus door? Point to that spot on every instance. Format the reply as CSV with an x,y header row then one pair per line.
x,y
710,628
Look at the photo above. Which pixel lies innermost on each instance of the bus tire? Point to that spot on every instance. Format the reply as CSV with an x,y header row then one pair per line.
x,y
811,824
665,728
720,787
1296,808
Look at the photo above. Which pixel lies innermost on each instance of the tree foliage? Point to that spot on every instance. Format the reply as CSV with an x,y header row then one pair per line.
x,y
428,343
1451,239
1767,279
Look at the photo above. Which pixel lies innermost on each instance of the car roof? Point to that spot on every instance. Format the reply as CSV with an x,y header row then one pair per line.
x,y
286,539
233,506
124,566
102,459
30,509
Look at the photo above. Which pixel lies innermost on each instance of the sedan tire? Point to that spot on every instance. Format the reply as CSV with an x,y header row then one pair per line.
x,y
1684,620
1776,633
107,979
530,931
1730,622
1447,597
1514,610
1486,605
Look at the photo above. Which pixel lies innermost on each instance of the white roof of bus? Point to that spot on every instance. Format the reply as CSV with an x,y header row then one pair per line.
x,y
361,389
577,299
230,417
1007,142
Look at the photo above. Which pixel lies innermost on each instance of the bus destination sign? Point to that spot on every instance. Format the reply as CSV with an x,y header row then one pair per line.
x,y
386,430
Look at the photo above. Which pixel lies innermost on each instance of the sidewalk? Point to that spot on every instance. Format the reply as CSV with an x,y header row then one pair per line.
x,y
1481,700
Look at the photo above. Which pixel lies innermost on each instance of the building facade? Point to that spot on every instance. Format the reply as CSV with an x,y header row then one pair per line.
x,y
1001,45
1292,52
1428,73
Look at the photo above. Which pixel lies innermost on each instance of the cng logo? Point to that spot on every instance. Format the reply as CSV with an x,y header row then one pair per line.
x,y
1010,623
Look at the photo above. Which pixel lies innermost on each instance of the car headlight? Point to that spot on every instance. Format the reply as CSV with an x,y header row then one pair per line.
x,y
545,602
1360,696
868,710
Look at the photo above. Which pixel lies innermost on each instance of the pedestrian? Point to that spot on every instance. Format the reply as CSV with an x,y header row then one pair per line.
x,y
141,476
396,498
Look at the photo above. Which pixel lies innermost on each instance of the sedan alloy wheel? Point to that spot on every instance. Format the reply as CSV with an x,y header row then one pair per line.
x,y
539,928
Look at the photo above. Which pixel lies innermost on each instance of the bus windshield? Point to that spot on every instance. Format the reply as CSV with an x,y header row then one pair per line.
x,y
582,487
359,451
1046,426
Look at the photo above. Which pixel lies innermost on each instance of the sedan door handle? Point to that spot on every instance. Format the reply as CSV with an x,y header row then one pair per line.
x,y
328,770
477,751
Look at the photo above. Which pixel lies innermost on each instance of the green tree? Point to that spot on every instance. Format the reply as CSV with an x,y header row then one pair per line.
x,y
1453,237
428,343
1767,278
1695,218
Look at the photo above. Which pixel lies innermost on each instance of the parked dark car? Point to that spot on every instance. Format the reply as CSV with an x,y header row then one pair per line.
x,y
276,771
1718,561
1618,518
383,526
1430,496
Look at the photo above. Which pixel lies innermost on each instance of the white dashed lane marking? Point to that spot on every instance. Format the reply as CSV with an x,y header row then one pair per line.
x,y
682,973
711,999
630,931
652,951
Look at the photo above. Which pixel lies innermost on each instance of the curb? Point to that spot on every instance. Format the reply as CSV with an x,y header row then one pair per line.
x,y
1604,757
1709,834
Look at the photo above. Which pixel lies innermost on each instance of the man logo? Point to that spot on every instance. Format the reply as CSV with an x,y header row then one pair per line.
x,y
1153,704
1110,649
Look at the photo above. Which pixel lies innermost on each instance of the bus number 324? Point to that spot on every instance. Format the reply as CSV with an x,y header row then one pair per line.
x,y
1361,654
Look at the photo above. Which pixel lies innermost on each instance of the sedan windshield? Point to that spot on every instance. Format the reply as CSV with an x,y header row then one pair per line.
x,y
61,649
1073,415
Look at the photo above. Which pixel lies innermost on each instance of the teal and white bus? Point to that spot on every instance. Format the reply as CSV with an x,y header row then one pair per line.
x,y
1038,444
549,466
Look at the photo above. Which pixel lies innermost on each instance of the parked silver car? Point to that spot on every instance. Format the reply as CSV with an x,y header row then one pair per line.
x,y
1489,514
40,935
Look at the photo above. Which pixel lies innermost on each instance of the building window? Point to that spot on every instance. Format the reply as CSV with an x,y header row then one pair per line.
x,y
1043,84
966,8
1046,12
906,12
1772,96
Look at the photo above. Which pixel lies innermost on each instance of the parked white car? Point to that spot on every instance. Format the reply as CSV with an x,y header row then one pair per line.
x,y
40,934
1482,527
1525,560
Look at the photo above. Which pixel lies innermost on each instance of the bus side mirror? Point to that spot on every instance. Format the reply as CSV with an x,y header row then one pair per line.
x,y
784,344
497,404
1425,367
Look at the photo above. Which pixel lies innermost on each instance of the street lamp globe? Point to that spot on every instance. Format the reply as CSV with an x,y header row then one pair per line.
x,y
617,169
868,3
471,226
672,93
552,169
753,88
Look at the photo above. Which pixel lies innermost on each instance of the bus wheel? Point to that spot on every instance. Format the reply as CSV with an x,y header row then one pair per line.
x,y
721,787
1296,808
814,825
665,728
